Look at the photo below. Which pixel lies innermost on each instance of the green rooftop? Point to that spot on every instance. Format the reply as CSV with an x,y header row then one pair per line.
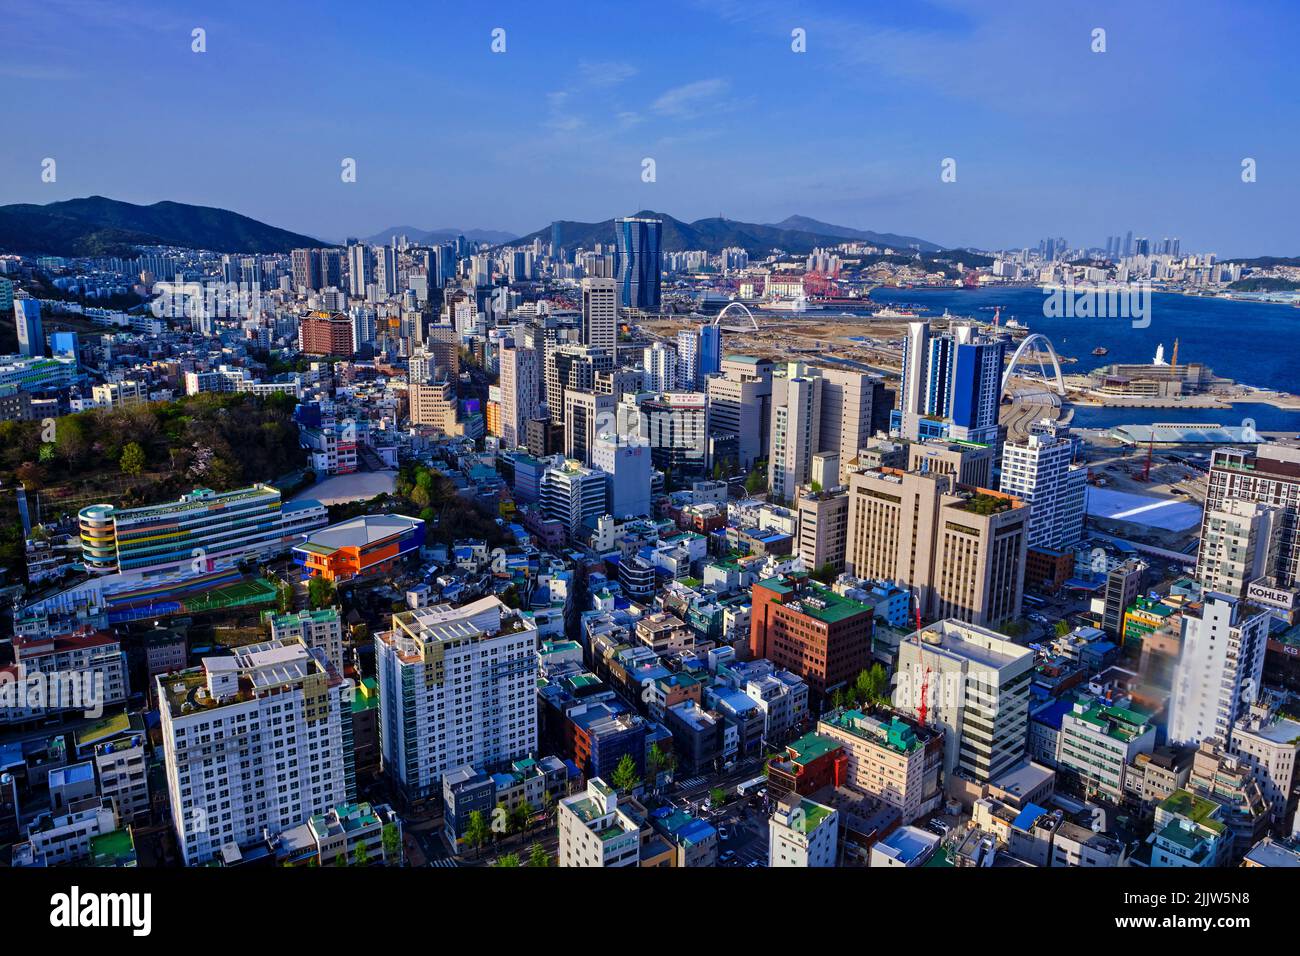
x,y
811,746
817,601
1191,807
113,849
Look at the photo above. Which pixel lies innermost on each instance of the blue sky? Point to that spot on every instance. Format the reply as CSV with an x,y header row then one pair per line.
x,y
1049,137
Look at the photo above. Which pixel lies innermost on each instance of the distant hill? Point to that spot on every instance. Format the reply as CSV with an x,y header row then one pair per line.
x,y
716,234
426,237
96,226
807,224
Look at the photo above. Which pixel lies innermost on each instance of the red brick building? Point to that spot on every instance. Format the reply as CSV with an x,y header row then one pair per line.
x,y
326,333
811,631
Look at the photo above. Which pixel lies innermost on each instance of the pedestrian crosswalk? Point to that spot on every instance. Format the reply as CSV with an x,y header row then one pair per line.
x,y
690,782
444,862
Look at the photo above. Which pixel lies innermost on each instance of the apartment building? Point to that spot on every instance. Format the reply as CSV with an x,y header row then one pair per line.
x,y
257,740
803,833
456,686
321,628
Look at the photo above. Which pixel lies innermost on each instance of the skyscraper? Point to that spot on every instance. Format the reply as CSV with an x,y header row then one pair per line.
x,y
386,269
637,262
600,314
520,385
360,271
27,317
305,264
951,385
660,364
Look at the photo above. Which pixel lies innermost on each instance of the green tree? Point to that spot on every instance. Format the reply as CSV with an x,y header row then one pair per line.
x,y
362,856
625,778
392,843
477,830
320,593
340,859
837,698
538,857
872,685
507,859
717,796
1062,628
755,481
133,460
826,574
521,816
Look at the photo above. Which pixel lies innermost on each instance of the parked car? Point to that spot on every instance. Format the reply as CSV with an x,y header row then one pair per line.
x,y
727,856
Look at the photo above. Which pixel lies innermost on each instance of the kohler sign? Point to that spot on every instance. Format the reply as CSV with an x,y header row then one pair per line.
x,y
1274,597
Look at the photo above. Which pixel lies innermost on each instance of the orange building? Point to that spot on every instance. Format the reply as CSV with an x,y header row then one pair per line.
x,y
326,333
371,543
811,631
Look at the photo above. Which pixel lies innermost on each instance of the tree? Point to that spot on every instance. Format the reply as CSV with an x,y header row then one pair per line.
x,y
133,460
1062,628
538,857
320,593
658,761
625,777
362,856
340,859
837,698
717,796
826,574
392,844
755,481
507,859
477,830
872,685
521,816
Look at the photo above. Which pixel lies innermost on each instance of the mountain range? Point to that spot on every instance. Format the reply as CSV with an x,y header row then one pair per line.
x,y
97,226
797,234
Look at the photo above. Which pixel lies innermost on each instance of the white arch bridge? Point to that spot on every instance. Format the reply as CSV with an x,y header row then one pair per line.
x,y
1038,367
753,322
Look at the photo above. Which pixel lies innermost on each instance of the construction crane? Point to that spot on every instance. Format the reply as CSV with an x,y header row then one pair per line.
x,y
1173,361
1146,467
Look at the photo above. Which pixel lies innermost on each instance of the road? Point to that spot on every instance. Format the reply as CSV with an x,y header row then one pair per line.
x,y
1030,401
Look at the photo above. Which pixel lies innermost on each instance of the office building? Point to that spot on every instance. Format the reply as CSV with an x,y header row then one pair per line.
x,y
637,262
306,270
973,684
951,384
27,318
816,410
625,461
961,551
456,686
256,740
600,314
811,631
586,414
1099,740
823,527
894,761
573,494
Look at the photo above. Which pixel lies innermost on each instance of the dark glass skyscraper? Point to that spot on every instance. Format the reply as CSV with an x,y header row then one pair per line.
x,y
637,263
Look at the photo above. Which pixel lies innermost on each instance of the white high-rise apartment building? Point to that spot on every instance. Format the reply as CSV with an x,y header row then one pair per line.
x,y
322,628
688,360
520,381
1038,471
660,363
600,314
386,269
1219,667
1240,543
457,685
255,741
571,493
360,271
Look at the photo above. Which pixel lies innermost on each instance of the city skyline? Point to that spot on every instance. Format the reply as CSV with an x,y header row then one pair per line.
x,y
738,124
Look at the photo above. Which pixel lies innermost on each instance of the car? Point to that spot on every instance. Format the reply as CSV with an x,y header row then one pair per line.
x,y
724,833
938,826
752,864
727,856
